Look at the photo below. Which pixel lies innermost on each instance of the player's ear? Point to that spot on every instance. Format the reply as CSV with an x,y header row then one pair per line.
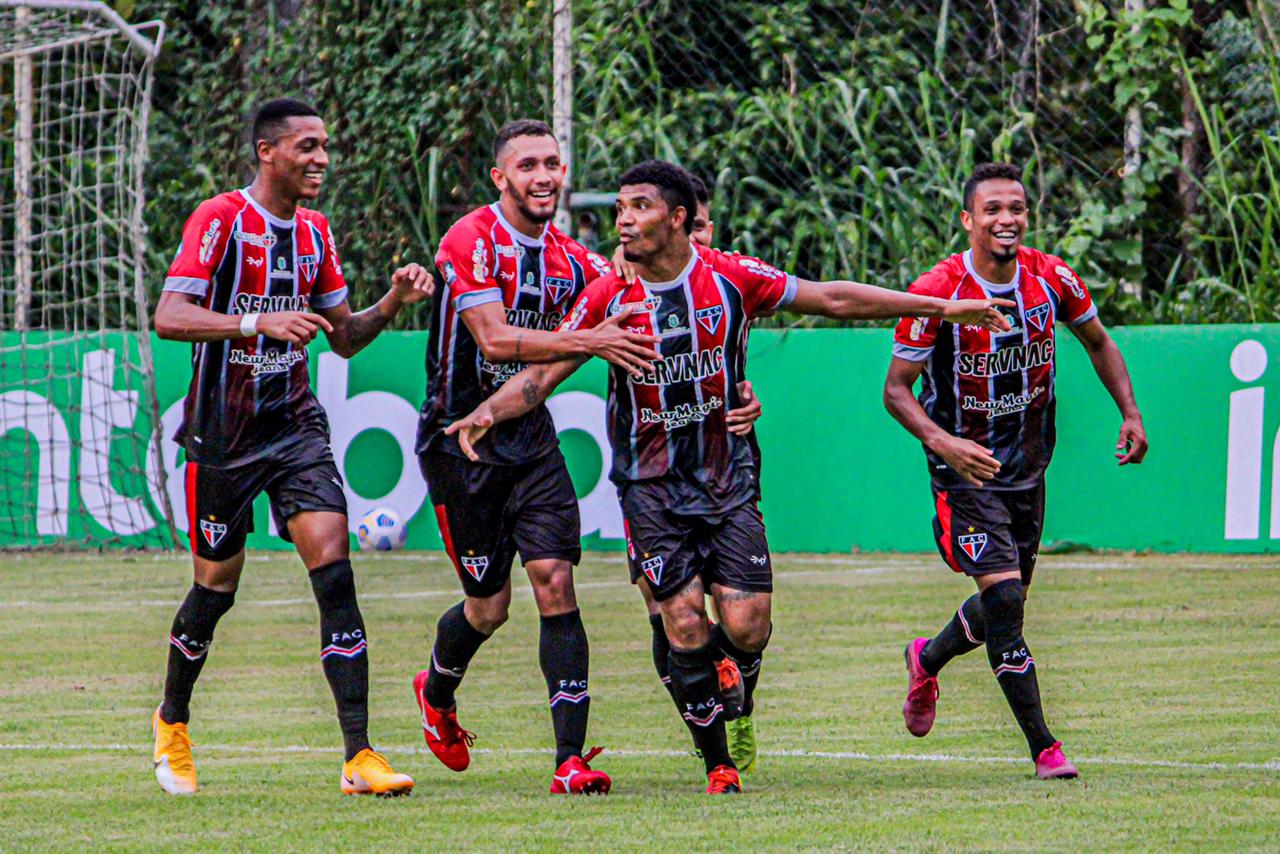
x,y
264,149
498,177
966,219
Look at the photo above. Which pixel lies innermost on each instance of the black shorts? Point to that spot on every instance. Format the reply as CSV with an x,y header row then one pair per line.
x,y
667,549
300,476
487,513
982,531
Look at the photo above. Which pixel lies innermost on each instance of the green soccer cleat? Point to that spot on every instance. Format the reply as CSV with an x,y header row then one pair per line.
x,y
742,743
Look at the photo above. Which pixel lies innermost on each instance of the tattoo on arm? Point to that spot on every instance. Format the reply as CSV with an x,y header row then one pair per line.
x,y
519,342
530,392
363,327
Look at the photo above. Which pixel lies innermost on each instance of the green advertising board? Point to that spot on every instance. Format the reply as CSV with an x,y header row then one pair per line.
x,y
839,474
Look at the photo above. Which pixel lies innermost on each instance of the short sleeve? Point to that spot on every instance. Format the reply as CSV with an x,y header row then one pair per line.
x,y
914,337
465,263
330,288
764,287
1077,305
204,243
589,309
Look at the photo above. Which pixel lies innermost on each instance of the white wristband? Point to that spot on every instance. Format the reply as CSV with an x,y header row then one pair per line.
x,y
248,326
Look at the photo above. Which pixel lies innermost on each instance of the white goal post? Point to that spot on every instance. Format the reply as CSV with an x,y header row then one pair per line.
x,y
79,423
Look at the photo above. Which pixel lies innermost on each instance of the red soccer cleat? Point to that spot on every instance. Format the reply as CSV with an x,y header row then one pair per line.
x,y
732,689
1052,765
448,741
723,780
576,777
922,692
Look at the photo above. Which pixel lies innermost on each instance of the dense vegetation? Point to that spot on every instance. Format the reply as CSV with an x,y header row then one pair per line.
x,y
837,134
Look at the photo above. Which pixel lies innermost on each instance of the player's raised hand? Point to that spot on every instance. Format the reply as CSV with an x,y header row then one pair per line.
x,y
1132,446
622,268
617,345
968,459
979,312
413,282
471,429
296,327
740,420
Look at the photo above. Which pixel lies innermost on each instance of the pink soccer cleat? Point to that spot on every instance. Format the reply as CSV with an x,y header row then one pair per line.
x,y
1052,765
922,692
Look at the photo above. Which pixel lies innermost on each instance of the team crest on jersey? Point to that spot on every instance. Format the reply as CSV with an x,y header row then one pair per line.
x,y
652,569
475,566
1037,316
973,544
557,289
213,532
709,318
209,240
308,265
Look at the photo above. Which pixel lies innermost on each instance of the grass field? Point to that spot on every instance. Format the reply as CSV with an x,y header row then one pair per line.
x,y
1161,675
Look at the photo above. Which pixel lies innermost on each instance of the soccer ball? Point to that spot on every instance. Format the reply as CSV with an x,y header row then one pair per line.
x,y
380,530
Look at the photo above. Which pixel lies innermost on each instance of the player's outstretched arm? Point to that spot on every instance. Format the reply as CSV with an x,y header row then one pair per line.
x,y
179,317
518,395
856,301
352,331
1110,367
499,341
970,460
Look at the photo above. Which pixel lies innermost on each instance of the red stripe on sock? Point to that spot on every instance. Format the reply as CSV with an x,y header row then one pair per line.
x,y
944,519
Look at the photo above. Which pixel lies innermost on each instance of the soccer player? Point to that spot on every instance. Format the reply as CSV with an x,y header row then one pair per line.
x,y
256,279
507,277
686,484
986,418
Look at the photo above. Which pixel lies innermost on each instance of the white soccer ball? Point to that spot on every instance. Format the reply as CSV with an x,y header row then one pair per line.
x,y
380,530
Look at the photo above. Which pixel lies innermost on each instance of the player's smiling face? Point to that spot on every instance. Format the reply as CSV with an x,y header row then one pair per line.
x,y
998,219
646,226
531,174
297,161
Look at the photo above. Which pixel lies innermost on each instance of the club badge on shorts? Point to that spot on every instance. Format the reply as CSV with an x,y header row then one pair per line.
x,y
213,532
475,566
973,545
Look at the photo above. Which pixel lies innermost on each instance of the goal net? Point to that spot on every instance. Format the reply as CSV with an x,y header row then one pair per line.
x,y
79,456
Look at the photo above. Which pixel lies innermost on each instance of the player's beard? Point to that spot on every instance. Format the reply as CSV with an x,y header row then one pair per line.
x,y
537,218
1004,256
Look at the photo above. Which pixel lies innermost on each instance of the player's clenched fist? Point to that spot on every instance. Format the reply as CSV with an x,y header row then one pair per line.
x,y
413,282
979,312
296,327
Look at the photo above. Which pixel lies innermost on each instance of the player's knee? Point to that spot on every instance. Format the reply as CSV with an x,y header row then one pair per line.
x,y
555,592
686,627
753,637
487,615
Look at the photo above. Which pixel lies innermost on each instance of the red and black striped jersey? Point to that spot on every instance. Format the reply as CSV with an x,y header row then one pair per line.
x,y
995,389
484,259
247,395
668,426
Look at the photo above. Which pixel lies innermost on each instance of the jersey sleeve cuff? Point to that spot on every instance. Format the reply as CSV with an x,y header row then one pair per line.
x,y
788,293
471,299
187,285
911,354
330,299
1087,316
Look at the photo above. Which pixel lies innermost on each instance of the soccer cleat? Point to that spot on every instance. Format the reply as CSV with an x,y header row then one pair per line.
x,y
922,692
1052,765
369,773
723,780
742,743
175,769
732,689
448,741
576,777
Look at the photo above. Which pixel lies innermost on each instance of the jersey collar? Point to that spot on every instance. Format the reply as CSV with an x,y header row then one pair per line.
x,y
517,235
992,286
678,280
266,214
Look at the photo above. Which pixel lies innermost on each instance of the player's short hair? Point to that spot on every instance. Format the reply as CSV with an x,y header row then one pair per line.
x,y
519,127
272,118
673,183
990,172
700,192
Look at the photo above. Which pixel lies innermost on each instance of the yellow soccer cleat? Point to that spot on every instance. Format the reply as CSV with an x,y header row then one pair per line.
x,y
368,773
175,769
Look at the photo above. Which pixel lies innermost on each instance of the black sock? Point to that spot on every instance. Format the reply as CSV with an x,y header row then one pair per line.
x,y
748,664
563,654
965,633
697,687
1015,670
344,650
662,662
456,642
189,641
